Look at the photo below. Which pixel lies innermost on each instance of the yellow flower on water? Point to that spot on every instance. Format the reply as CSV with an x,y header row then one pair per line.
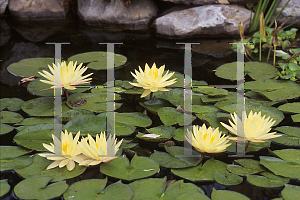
x,y
100,150
66,76
152,79
64,151
207,139
256,128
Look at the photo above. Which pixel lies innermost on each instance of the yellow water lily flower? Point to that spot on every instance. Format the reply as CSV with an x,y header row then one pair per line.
x,y
100,150
207,139
64,151
66,76
256,128
152,79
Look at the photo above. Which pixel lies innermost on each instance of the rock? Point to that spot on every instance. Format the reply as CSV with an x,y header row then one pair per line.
x,y
291,11
243,2
38,9
5,32
136,16
3,4
209,20
189,2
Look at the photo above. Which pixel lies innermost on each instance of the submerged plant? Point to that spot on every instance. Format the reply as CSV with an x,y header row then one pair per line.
x,y
66,76
64,151
152,79
207,139
256,128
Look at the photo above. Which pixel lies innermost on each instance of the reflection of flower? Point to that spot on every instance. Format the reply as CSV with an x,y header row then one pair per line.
x,y
65,151
100,150
256,128
207,139
66,76
152,80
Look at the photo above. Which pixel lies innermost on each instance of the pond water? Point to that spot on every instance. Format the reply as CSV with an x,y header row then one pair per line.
x,y
139,47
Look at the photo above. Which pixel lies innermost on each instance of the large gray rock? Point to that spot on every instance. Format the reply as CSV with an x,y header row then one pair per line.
x,y
209,20
189,2
3,4
38,9
291,11
136,16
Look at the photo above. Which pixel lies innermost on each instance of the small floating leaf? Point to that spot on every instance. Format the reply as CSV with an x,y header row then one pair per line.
x,y
12,104
165,133
290,192
227,195
4,187
5,128
261,181
10,117
228,179
170,116
211,91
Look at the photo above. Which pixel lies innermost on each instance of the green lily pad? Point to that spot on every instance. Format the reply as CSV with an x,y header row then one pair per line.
x,y
204,109
154,105
12,104
275,90
15,163
165,132
122,129
213,99
43,106
134,118
227,195
10,117
175,158
35,86
170,116
30,67
228,179
252,146
296,118
261,181
39,165
289,155
193,195
259,98
256,70
94,189
290,107
287,140
280,167
123,84
5,128
202,173
128,144
71,114
98,59
86,124
213,121
36,120
4,187
36,188
179,134
211,91
290,192
289,130
135,90
174,96
139,167
33,137
10,152
248,167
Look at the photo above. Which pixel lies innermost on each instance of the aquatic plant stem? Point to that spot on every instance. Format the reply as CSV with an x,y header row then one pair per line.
x,y
246,147
269,54
67,94
260,49
151,94
274,55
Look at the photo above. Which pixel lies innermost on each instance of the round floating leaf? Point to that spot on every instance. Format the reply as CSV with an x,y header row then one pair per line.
x,y
252,146
259,98
123,129
211,91
228,179
261,181
42,106
39,165
227,195
5,128
139,167
134,118
213,121
296,118
202,173
175,96
12,104
248,167
176,158
290,107
154,105
287,140
275,90
165,133
212,99
193,195
36,188
270,175
170,116
290,192
4,187
86,124
289,130
71,114
280,167
179,134
30,67
16,163
98,59
35,86
33,137
128,144
10,117
179,79
123,84
204,110
289,155
36,120
10,152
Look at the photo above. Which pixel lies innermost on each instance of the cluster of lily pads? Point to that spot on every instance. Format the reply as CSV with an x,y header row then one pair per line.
x,y
159,122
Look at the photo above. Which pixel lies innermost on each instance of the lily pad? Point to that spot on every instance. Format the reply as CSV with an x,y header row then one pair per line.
x,y
36,120
134,118
165,132
12,104
248,167
98,59
289,130
264,182
154,105
43,106
36,188
296,118
228,179
94,189
4,187
290,107
213,99
211,91
202,173
289,155
175,158
275,90
227,195
179,134
10,117
71,114
39,165
30,67
35,86
252,146
139,167
213,121
15,163
123,129
290,192
170,116
5,128
10,152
